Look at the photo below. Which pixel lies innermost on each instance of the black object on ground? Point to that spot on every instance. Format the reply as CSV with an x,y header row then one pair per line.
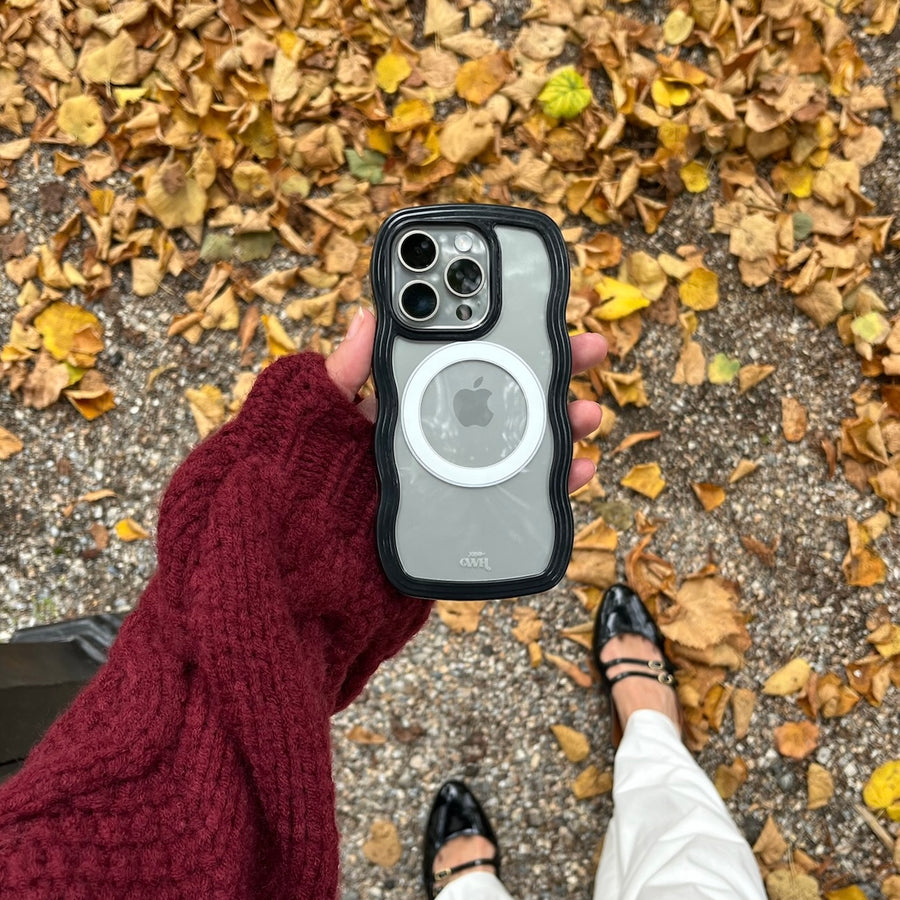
x,y
42,669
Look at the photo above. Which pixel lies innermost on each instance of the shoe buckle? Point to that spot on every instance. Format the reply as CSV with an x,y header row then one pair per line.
x,y
656,664
665,678
442,874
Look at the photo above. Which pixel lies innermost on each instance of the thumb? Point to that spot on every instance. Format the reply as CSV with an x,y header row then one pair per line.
x,y
349,365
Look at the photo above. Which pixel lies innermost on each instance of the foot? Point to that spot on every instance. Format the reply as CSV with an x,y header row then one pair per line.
x,y
461,850
632,694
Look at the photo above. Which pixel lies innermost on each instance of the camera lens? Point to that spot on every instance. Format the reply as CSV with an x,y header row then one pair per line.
x,y
419,300
464,277
418,251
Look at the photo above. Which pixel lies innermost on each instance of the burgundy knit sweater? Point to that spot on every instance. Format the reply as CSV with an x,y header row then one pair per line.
x,y
197,763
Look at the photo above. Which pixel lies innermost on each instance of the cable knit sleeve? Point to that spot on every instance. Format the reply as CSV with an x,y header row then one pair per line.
x,y
198,763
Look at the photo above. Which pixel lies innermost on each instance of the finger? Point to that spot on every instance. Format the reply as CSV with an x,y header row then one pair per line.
x,y
580,474
350,363
588,350
584,417
368,407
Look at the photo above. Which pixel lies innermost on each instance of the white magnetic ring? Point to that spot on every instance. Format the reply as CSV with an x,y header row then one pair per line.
x,y
411,414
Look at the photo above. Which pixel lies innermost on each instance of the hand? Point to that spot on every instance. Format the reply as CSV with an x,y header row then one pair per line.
x,y
350,364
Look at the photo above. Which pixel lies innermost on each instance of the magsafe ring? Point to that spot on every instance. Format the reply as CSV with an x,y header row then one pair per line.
x,y
411,413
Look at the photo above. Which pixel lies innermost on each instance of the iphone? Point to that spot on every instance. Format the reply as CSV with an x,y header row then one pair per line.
x,y
471,366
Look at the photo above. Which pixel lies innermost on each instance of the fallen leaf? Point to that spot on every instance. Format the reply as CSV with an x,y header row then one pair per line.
x,y
752,375
383,845
793,420
785,884
573,743
729,779
819,786
579,676
646,479
743,701
360,735
797,739
128,530
722,369
770,846
633,439
81,118
207,405
10,445
789,679
709,495
882,790
460,615
565,95
592,783
744,468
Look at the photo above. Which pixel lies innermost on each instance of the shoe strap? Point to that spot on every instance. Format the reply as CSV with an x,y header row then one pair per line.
x,y
655,665
658,673
444,874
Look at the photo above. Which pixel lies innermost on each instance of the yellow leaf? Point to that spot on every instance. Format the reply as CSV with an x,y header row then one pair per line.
x,y
744,468
13,150
819,786
175,198
466,135
9,444
882,790
645,479
479,79
622,299
278,341
146,276
695,177
59,324
592,783
573,743
788,679
92,397
796,180
700,290
678,27
852,892
722,369
128,530
410,114
207,405
669,92
391,69
691,366
460,615
81,118
728,779
114,62
709,495
565,95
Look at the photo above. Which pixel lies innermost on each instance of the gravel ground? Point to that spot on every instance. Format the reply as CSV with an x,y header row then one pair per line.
x,y
470,705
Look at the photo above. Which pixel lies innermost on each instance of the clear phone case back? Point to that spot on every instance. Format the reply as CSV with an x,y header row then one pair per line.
x,y
472,438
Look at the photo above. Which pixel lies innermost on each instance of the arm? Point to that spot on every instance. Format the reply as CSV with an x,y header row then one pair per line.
x,y
198,762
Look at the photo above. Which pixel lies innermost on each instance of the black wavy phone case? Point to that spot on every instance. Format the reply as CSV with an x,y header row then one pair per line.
x,y
472,364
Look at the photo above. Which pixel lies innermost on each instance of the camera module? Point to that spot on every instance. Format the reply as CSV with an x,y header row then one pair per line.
x,y
419,300
464,277
418,251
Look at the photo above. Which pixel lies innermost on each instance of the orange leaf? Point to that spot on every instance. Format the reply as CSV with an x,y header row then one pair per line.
x,y
797,739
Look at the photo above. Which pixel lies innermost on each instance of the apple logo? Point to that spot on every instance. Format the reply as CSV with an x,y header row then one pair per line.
x,y
471,406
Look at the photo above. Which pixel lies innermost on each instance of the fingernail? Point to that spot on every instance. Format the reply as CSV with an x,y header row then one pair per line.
x,y
356,324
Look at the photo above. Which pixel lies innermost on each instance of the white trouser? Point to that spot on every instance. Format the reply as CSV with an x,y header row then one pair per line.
x,y
670,837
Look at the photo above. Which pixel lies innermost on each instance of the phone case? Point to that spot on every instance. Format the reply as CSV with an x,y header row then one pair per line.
x,y
472,439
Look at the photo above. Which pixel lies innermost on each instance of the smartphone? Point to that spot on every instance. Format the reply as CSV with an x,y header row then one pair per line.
x,y
471,367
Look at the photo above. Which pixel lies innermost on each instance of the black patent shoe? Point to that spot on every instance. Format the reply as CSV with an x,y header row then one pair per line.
x,y
454,813
622,612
